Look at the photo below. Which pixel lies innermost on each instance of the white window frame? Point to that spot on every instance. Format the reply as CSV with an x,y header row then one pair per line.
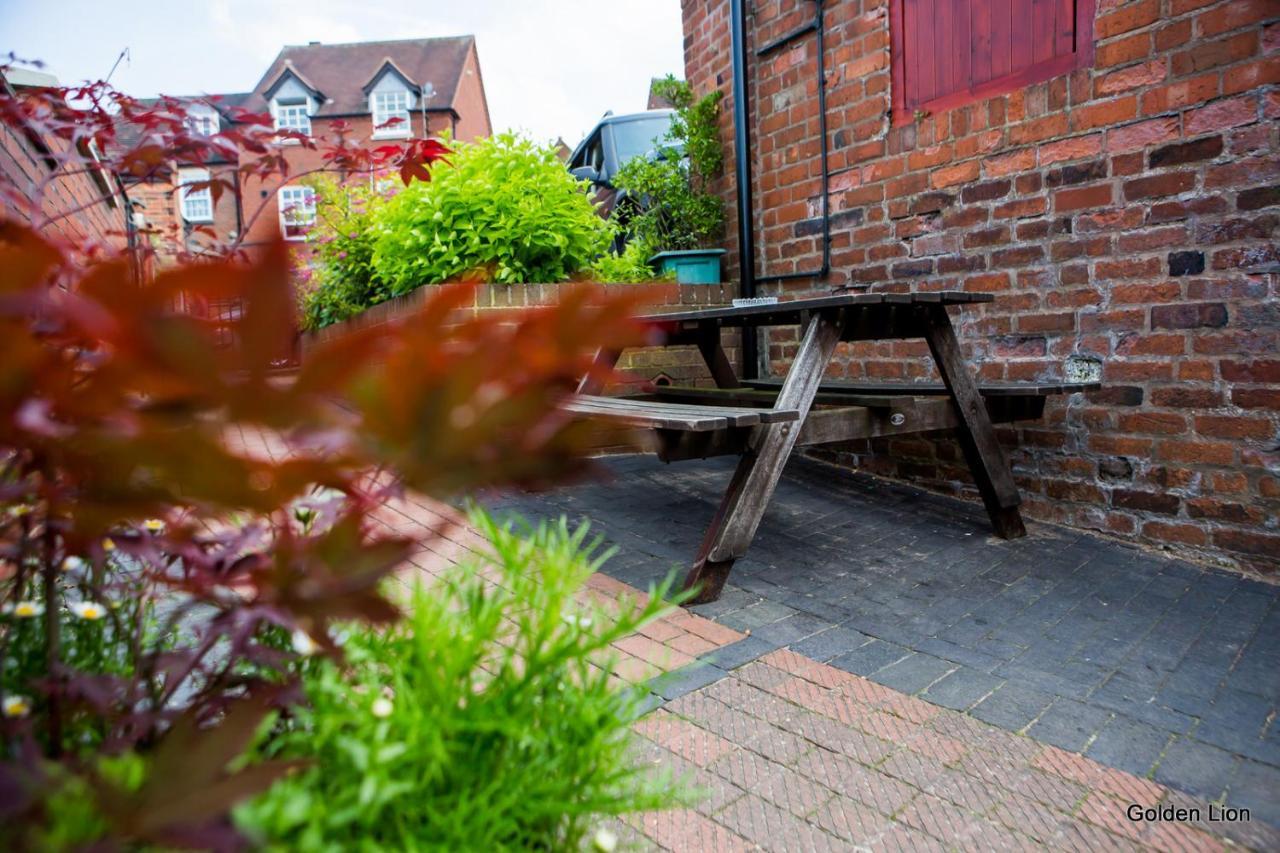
x,y
287,116
202,120
297,207
382,114
196,205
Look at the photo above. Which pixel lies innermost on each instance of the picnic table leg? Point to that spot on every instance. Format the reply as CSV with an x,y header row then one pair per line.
x,y
714,355
593,381
987,460
759,469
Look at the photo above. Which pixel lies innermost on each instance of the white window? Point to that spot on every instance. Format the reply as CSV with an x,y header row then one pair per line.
x,y
387,106
293,114
197,204
297,212
202,120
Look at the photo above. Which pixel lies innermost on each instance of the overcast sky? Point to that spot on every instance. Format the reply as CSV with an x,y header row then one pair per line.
x,y
551,67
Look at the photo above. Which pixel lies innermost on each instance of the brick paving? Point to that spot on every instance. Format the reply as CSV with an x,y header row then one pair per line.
x,y
790,754
1150,665
782,752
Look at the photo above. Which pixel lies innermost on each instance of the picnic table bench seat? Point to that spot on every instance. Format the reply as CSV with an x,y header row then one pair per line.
x,y
656,414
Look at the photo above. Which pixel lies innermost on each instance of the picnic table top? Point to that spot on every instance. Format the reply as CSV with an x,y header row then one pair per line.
x,y
788,313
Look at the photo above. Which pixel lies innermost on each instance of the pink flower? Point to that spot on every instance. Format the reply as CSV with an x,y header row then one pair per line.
x,y
342,254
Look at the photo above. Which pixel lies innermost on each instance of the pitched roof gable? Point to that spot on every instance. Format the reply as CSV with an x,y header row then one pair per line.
x,y
341,70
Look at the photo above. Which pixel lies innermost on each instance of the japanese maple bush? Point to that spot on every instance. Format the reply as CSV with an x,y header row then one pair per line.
x,y
161,568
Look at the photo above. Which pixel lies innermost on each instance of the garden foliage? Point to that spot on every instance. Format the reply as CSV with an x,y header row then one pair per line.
x,y
340,280
158,581
502,209
674,204
484,721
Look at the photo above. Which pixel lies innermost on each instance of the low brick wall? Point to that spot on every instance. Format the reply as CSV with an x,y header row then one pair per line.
x,y
679,365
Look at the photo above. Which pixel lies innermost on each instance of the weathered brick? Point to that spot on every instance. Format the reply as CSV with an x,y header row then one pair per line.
x,y
1186,152
1189,316
1081,198
1258,198
1186,263
1171,183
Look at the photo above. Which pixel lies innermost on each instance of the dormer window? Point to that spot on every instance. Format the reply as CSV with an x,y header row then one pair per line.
x,y
202,120
387,107
293,114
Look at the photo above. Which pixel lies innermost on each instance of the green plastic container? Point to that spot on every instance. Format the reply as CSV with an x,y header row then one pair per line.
x,y
693,266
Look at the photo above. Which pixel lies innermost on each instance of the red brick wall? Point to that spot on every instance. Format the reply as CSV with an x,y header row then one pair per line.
x,y
82,213
1123,214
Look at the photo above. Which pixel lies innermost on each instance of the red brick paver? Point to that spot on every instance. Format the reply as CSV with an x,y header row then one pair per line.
x,y
861,766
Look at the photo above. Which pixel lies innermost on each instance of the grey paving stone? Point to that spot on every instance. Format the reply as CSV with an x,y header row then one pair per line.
x,y
792,629
742,652
1069,724
1129,745
827,644
962,689
686,679
756,616
1013,706
870,657
1196,768
913,673
1256,787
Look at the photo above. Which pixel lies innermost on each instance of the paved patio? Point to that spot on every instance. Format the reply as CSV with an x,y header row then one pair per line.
x,y
1065,644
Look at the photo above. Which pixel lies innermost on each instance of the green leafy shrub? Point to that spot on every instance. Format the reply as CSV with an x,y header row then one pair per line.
x,y
483,722
502,207
677,207
631,266
342,280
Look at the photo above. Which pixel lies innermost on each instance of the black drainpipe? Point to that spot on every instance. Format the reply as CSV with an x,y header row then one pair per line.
x,y
742,148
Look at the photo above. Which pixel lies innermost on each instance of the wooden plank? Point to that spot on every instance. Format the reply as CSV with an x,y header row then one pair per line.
x,y
1064,25
760,467
1001,38
831,426
986,458
646,419
1021,35
1044,32
944,26
788,313
836,387
602,366
981,40
962,45
714,355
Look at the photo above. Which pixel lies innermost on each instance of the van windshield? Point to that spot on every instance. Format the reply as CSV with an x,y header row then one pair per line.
x,y
640,136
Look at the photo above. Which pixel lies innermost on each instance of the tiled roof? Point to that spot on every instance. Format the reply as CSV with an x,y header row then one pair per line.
x,y
340,72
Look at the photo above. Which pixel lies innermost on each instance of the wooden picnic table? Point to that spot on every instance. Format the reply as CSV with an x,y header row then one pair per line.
x,y
763,421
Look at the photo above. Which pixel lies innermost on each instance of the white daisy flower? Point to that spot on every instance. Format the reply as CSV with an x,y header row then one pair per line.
x,y
17,706
90,611
381,707
606,841
74,564
153,525
303,644
24,609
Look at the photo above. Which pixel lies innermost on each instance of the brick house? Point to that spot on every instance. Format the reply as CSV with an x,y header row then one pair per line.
x,y
1108,170
86,208
431,86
